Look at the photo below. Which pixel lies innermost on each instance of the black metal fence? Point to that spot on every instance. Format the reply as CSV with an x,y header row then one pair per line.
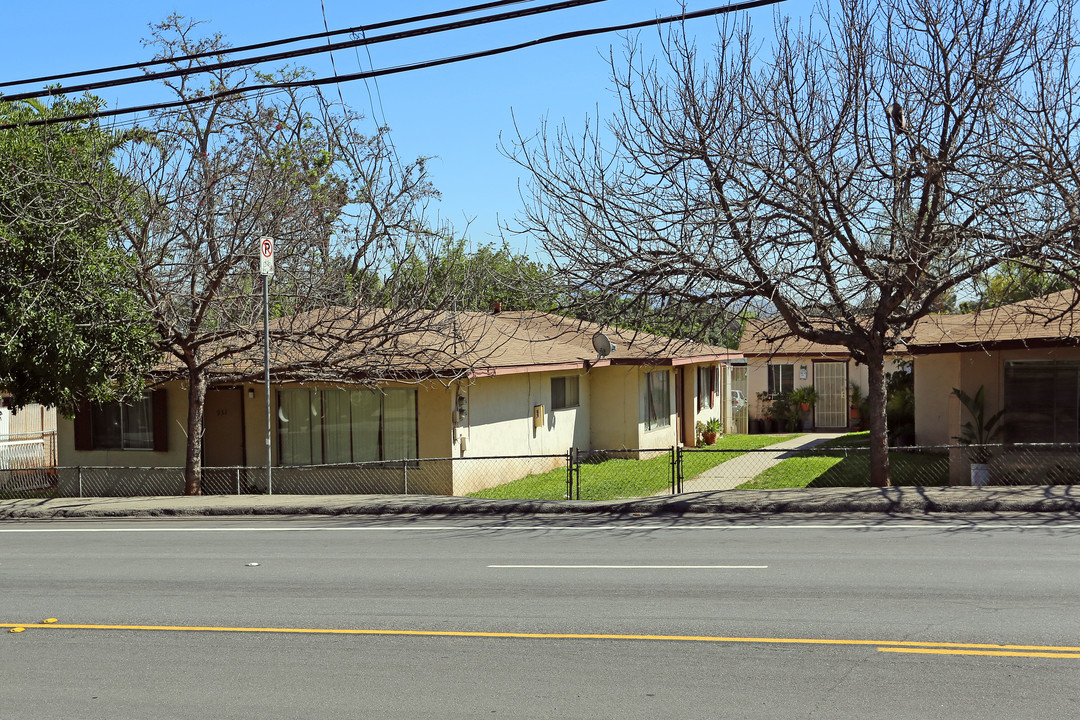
x,y
580,474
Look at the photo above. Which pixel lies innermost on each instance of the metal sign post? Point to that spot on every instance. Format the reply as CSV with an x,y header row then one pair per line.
x,y
266,269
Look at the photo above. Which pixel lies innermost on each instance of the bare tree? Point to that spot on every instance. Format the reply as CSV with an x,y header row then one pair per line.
x,y
210,179
845,175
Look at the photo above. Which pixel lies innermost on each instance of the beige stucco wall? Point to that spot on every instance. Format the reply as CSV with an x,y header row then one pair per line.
x,y
615,398
500,417
98,483
500,423
937,412
176,404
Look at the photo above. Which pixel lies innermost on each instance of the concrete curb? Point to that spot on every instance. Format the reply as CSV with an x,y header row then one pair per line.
x,y
896,500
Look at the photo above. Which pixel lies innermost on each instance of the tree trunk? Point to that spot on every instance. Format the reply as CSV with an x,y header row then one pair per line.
x,y
879,430
196,416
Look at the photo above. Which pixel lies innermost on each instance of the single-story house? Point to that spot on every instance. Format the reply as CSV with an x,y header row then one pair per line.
x,y
779,362
1026,359
532,384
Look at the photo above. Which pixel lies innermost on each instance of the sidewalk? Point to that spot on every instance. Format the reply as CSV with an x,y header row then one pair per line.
x,y
896,500
744,468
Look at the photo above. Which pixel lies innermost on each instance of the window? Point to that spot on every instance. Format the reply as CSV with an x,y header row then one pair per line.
x,y
706,383
564,392
346,426
1042,402
135,425
127,426
657,400
781,378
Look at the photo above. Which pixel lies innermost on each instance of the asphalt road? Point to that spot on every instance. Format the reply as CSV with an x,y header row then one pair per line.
x,y
795,617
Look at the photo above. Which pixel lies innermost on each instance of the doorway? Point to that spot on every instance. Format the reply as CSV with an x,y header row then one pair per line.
x,y
830,382
223,441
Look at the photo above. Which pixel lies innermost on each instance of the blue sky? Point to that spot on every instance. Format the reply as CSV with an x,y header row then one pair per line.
x,y
454,113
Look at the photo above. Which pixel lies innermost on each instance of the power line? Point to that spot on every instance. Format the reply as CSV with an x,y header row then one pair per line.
x,y
271,43
333,65
315,82
292,54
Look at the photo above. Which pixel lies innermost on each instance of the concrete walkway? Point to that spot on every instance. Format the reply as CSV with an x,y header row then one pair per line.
x,y
735,472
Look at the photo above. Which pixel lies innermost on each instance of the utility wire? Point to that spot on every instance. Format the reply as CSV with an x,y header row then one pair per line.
x,y
271,43
333,65
315,82
291,54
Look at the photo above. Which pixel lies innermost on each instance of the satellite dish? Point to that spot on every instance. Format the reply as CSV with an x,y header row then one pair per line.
x,y
602,345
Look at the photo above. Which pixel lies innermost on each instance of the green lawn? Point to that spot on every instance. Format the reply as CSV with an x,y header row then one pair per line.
x,y
828,465
29,494
621,478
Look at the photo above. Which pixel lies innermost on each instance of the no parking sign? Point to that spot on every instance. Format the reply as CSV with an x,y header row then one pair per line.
x,y
266,256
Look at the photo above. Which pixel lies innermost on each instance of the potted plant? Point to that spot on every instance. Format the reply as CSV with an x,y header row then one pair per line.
x,y
804,398
785,412
977,433
855,399
710,429
768,425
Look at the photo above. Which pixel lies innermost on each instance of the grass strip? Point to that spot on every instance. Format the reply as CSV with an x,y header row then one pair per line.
x,y
614,478
845,462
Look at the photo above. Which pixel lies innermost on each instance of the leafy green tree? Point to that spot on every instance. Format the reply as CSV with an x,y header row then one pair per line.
x,y
477,279
1014,281
70,326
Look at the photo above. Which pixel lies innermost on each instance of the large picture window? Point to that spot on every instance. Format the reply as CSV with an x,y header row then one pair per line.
x,y
346,426
781,378
1042,402
658,399
564,392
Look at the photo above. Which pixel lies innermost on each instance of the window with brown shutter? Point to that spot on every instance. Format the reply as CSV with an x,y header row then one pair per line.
x,y
136,425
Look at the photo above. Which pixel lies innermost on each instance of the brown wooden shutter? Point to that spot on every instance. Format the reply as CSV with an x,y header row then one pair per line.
x,y
84,429
698,388
159,399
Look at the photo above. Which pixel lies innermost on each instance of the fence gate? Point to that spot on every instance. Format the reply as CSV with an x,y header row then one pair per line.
x,y
573,474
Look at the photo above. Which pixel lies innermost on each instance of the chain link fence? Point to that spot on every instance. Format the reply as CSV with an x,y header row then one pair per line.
x,y
584,474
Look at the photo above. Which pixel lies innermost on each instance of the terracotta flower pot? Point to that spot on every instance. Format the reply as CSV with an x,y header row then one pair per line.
x,y
708,438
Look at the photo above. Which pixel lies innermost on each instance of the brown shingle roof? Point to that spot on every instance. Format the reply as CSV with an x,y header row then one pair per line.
x,y
524,339
1040,322
771,336
479,344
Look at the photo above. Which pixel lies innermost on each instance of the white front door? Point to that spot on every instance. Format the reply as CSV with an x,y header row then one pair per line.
x,y
830,382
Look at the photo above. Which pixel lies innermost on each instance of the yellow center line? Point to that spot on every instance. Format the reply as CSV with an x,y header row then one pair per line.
x,y
997,653
882,646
